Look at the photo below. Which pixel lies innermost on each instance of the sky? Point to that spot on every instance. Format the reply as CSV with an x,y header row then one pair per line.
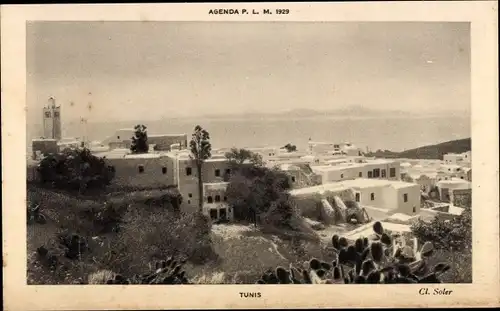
x,y
152,70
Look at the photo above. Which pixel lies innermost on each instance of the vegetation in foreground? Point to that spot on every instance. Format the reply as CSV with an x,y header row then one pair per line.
x,y
142,238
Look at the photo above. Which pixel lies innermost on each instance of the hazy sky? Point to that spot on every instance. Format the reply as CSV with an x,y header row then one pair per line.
x,y
147,70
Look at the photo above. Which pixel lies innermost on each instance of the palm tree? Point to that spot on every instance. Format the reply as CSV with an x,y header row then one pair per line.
x,y
200,151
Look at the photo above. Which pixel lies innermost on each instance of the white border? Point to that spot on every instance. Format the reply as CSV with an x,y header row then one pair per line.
x,y
485,288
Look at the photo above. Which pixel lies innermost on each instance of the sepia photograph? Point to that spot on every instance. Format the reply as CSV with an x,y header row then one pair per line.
x,y
247,145
171,153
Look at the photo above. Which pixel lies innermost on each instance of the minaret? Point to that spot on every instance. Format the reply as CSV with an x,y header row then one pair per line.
x,y
52,120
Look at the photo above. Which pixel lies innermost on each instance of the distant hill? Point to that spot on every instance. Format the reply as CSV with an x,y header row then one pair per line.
x,y
354,111
427,152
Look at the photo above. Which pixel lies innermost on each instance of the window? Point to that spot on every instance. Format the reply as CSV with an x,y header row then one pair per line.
x,y
370,174
210,199
164,170
217,198
341,175
360,174
189,201
405,197
228,171
414,209
217,172
56,114
372,196
117,137
392,172
461,177
188,171
47,114
293,178
141,168
376,173
358,197
225,198
384,173
190,195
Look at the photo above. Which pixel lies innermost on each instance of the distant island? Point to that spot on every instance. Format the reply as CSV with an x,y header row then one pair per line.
x,y
427,152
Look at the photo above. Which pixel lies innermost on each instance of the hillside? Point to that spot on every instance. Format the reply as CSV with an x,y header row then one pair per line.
x,y
134,229
427,152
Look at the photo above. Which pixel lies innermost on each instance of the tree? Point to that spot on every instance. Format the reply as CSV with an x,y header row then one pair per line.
x,y
75,169
255,191
238,157
290,148
140,140
201,150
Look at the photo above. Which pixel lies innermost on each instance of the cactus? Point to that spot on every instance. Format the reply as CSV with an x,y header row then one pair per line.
x,y
34,215
165,272
377,227
381,260
74,245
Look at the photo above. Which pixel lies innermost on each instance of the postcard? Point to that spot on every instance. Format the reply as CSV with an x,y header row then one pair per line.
x,y
345,153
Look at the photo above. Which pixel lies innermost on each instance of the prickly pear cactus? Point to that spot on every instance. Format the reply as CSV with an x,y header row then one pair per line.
x,y
164,272
34,215
382,260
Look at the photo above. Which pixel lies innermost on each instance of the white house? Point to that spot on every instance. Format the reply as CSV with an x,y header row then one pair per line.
x,y
396,196
215,201
447,187
458,158
373,169
345,148
140,170
388,195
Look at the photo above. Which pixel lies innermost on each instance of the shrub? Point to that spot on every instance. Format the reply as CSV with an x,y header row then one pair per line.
x,y
148,234
455,234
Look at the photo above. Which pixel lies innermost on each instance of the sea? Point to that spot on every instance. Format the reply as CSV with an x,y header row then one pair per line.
x,y
373,133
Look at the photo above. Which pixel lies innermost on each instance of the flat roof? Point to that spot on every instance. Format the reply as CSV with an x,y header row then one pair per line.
x,y
166,135
372,182
319,189
143,156
381,161
42,139
367,229
328,168
455,181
